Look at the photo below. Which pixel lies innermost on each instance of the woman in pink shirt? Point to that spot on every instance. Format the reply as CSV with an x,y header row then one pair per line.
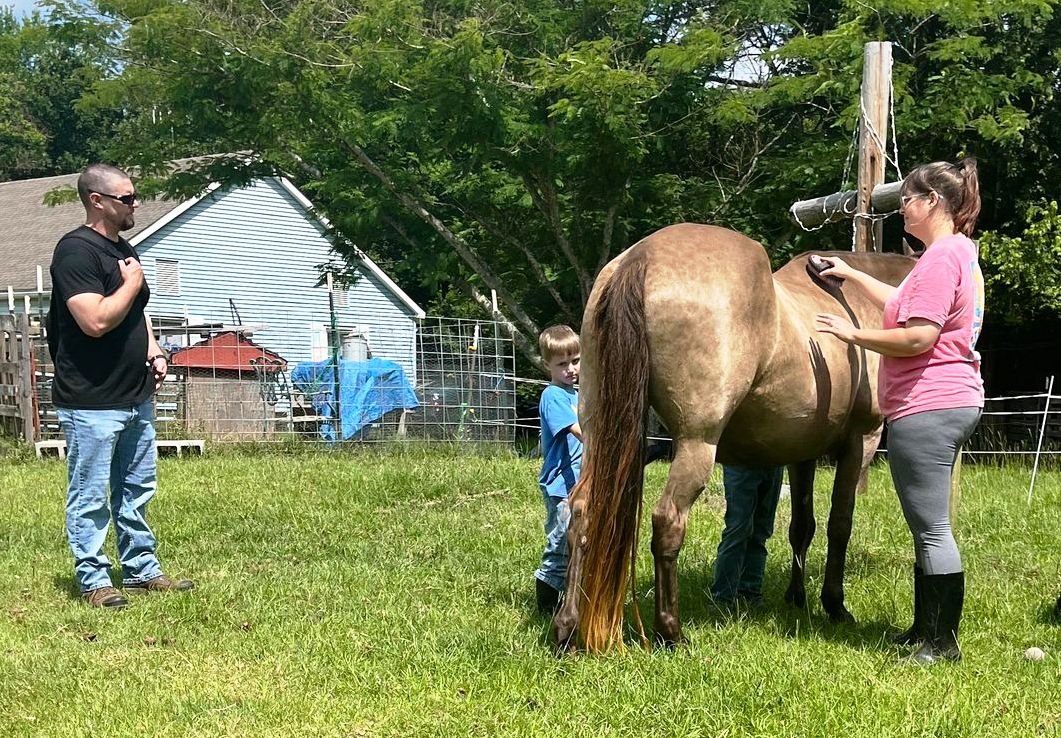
x,y
930,389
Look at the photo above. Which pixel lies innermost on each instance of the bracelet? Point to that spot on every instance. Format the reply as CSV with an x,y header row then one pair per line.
x,y
151,359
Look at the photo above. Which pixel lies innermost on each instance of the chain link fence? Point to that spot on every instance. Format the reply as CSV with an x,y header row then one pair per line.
x,y
451,380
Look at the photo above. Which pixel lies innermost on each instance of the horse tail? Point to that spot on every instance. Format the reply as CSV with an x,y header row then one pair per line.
x,y
613,467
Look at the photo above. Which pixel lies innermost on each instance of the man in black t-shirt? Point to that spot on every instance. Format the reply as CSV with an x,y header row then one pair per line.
x,y
107,367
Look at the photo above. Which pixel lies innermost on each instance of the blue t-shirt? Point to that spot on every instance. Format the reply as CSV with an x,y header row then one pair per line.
x,y
561,450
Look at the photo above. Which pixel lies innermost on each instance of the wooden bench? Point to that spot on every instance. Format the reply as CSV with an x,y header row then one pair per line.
x,y
170,447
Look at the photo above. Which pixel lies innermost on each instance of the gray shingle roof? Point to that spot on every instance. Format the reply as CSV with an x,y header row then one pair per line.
x,y
29,229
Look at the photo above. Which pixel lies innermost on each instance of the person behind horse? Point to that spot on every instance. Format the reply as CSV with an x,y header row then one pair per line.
x,y
562,453
751,503
930,389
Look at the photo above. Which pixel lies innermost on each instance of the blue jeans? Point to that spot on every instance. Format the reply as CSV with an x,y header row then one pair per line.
x,y
112,449
553,570
751,503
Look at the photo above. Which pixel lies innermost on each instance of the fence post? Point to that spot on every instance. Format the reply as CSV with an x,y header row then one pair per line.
x,y
25,379
1042,433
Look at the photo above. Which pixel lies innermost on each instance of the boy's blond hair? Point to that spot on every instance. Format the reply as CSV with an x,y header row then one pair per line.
x,y
558,340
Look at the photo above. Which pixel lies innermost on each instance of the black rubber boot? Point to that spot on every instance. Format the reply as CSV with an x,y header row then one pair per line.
x,y
913,635
548,598
943,596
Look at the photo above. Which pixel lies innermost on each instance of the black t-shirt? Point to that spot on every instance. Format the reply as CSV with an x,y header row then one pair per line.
x,y
102,373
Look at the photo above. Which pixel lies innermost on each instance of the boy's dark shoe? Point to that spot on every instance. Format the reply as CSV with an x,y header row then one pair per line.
x,y
548,598
161,583
107,597
753,600
1057,609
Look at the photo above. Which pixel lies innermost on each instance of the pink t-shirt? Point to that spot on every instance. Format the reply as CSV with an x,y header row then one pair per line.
x,y
946,287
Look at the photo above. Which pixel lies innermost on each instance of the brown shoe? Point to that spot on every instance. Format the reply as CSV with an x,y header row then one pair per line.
x,y
161,583
105,597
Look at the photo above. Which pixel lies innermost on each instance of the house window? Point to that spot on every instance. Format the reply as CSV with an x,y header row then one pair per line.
x,y
168,277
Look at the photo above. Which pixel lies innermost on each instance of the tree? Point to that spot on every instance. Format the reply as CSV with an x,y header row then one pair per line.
x,y
48,63
518,147
22,143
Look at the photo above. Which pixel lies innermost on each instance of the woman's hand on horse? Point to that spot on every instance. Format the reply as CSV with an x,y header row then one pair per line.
x,y
835,325
838,268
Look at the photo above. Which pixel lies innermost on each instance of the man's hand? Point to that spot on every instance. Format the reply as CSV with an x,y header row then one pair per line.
x,y
132,272
159,369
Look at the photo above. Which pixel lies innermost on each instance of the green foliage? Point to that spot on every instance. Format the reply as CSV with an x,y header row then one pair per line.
x,y
518,147
47,63
1023,272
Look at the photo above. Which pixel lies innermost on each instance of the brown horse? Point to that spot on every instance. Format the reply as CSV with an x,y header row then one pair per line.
x,y
691,321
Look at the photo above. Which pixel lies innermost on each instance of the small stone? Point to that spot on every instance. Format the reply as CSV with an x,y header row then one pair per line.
x,y
1034,654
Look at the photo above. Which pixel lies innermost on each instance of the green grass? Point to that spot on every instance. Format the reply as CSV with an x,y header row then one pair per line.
x,y
390,595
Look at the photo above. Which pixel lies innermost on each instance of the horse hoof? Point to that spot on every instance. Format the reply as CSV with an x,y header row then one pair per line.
x,y
841,615
564,639
669,643
796,598
564,648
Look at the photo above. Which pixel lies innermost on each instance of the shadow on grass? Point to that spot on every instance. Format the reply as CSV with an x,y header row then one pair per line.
x,y
697,608
1050,614
66,584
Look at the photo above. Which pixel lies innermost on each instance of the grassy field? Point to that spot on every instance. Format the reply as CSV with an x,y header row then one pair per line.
x,y
356,595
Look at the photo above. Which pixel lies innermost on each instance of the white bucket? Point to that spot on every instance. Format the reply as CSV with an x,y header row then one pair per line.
x,y
355,346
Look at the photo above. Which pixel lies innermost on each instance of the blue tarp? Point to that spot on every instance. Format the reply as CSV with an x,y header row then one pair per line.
x,y
369,389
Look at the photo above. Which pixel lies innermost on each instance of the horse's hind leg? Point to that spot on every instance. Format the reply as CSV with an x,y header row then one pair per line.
x,y
852,465
566,620
800,528
688,475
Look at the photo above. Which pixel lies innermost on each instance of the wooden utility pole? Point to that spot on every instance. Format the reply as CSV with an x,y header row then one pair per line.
x,y
872,138
872,195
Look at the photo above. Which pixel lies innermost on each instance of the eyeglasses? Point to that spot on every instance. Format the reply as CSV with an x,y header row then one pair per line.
x,y
127,200
904,200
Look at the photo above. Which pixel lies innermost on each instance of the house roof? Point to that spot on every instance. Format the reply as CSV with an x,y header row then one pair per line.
x,y
31,230
229,350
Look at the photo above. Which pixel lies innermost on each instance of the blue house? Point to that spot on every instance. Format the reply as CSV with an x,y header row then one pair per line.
x,y
252,256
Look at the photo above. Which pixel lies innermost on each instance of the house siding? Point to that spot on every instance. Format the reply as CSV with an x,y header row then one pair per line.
x,y
258,247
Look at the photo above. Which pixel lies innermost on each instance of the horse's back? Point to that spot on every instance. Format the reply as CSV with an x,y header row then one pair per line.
x,y
816,390
710,313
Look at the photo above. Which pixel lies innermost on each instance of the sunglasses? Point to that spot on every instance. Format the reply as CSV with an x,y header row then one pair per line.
x,y
127,200
905,199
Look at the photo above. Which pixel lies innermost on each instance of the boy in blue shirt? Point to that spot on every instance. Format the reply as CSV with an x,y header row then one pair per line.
x,y
562,454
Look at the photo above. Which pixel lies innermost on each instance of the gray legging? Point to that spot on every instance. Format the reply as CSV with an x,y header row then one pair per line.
x,y
922,449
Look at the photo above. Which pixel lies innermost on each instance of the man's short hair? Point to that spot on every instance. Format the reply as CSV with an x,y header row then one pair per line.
x,y
97,178
558,340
